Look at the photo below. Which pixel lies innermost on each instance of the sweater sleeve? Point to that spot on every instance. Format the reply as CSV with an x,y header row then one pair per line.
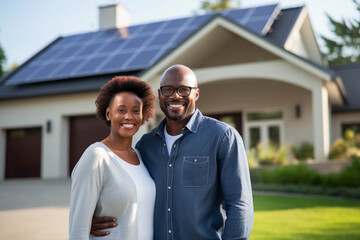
x,y
87,181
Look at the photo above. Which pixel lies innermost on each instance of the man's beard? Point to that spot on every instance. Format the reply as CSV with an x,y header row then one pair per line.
x,y
164,108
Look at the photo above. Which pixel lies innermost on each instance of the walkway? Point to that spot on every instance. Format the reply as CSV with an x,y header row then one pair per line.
x,y
34,209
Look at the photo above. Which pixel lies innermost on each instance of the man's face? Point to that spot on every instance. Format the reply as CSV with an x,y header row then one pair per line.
x,y
177,107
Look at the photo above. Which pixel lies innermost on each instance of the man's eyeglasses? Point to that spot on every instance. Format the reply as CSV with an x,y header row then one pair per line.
x,y
181,91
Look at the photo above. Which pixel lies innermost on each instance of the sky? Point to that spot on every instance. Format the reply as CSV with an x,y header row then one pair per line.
x,y
27,26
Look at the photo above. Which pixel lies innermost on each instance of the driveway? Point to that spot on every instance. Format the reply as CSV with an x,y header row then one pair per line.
x,y
34,209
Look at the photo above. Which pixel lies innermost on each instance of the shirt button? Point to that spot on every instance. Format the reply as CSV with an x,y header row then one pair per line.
x,y
195,160
164,144
169,231
174,145
170,165
169,209
169,187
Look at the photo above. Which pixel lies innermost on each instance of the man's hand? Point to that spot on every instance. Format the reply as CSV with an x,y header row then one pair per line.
x,y
101,223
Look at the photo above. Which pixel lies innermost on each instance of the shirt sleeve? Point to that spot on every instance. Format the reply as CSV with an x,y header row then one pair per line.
x,y
236,186
87,181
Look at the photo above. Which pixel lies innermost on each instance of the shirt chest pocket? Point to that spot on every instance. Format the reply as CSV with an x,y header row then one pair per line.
x,y
195,171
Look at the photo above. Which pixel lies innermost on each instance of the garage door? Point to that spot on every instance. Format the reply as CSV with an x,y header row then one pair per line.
x,y
84,131
23,153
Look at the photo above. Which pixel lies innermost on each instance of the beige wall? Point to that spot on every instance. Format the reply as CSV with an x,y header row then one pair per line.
x,y
258,94
32,112
35,112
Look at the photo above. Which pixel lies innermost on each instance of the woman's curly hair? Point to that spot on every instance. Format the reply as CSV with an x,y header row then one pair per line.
x,y
125,84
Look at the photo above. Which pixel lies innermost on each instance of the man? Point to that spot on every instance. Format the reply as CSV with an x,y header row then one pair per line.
x,y
199,166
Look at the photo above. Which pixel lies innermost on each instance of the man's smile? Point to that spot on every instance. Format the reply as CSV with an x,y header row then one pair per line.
x,y
175,105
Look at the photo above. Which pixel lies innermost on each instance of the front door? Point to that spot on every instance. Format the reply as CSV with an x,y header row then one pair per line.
x,y
233,119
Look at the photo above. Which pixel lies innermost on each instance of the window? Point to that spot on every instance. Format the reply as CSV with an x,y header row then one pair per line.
x,y
353,126
264,127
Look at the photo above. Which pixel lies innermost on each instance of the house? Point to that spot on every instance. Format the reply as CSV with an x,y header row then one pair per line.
x,y
259,69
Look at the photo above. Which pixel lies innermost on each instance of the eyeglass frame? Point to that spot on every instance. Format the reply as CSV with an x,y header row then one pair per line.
x,y
177,90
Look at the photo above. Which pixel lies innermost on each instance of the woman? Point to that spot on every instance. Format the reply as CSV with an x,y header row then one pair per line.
x,y
110,178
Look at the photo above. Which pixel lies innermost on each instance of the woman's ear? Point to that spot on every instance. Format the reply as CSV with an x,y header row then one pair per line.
x,y
107,114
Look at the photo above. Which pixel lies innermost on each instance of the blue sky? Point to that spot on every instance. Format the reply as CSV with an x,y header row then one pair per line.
x,y
27,26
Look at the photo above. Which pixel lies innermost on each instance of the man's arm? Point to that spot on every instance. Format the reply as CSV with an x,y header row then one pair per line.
x,y
236,186
102,223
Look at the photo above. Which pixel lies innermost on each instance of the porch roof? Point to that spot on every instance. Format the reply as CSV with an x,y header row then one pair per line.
x,y
350,75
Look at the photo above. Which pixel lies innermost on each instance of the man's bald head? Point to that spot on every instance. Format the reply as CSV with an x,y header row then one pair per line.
x,y
177,107
177,74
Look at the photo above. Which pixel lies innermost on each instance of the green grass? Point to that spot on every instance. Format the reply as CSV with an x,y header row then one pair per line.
x,y
299,218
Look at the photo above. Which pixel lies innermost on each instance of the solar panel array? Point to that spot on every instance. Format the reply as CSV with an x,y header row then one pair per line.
x,y
114,51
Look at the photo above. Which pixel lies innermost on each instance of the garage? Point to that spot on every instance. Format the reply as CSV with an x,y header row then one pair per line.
x,y
84,130
23,153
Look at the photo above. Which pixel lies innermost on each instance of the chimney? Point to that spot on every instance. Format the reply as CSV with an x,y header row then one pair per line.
x,y
113,16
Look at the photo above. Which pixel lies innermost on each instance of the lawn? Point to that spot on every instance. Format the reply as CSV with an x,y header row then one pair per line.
x,y
288,217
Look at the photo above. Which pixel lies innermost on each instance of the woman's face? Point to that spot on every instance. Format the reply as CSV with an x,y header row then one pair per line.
x,y
125,114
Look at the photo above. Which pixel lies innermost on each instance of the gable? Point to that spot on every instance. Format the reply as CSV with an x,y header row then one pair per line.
x,y
219,47
182,53
302,41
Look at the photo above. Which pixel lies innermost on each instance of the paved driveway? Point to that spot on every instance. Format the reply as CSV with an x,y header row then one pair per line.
x,y
34,209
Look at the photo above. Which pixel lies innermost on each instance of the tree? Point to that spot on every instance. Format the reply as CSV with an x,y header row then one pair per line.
x,y
2,61
216,5
345,47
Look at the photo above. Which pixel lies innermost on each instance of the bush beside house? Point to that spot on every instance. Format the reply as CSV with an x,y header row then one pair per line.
x,y
284,168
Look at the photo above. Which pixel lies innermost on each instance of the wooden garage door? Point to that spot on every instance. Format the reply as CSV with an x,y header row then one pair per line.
x,y
84,131
23,153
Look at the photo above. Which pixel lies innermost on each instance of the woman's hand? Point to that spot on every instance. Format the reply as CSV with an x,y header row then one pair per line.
x,y
101,223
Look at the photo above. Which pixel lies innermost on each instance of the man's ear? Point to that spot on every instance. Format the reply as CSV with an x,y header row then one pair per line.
x,y
197,92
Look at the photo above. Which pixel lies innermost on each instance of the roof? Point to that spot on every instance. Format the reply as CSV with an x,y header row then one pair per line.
x,y
350,75
132,49
282,27
117,55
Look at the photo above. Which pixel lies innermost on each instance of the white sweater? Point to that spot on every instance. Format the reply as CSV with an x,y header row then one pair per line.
x,y
101,186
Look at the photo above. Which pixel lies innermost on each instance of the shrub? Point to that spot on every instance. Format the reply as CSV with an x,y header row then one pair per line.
x,y
349,176
304,151
292,174
301,175
339,149
272,155
346,147
252,158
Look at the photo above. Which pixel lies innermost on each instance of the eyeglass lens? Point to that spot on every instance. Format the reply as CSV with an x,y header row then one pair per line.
x,y
182,91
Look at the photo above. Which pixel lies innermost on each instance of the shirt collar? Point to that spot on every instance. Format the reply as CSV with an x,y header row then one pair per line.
x,y
192,124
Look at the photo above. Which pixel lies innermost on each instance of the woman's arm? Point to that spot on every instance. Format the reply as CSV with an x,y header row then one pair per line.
x,y
87,180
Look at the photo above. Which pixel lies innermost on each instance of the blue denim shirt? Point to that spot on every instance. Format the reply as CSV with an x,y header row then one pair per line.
x,y
207,169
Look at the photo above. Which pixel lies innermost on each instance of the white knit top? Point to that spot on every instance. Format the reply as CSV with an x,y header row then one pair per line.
x,y
105,185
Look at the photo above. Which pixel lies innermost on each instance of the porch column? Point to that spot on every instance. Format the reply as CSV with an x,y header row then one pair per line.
x,y
321,123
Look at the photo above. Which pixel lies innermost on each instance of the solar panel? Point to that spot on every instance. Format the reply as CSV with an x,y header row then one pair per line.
x,y
112,51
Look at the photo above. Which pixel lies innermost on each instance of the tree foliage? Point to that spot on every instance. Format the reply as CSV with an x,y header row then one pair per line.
x,y
344,48
216,5
2,61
